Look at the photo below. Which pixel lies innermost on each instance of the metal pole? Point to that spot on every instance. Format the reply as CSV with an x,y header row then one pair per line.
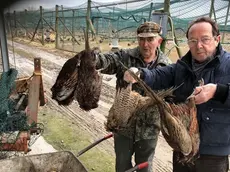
x,y
4,48
94,144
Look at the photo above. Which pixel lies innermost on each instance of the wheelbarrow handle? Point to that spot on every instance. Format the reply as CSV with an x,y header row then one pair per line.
x,y
138,167
93,144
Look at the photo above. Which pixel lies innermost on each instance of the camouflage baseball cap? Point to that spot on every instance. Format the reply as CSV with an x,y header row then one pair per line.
x,y
149,29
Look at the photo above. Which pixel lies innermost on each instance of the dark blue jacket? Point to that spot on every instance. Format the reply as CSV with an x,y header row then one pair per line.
x,y
213,116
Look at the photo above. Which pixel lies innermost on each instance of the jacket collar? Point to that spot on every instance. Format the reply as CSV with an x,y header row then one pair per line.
x,y
135,53
187,58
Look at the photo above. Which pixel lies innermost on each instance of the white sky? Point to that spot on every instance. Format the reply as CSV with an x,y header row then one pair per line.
x,y
25,4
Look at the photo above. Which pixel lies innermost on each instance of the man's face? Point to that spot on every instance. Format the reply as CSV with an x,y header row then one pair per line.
x,y
148,46
201,41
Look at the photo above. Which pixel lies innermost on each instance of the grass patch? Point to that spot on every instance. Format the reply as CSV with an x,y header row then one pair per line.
x,y
64,135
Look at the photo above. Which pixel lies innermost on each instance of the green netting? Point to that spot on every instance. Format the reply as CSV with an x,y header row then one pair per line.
x,y
119,19
10,119
13,120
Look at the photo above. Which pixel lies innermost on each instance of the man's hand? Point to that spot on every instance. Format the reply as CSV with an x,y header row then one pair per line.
x,y
204,93
128,77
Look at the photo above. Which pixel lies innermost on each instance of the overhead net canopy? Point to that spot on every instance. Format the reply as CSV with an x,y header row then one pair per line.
x,y
118,19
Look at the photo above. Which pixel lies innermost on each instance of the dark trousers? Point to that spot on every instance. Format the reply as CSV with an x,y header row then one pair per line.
x,y
124,149
204,163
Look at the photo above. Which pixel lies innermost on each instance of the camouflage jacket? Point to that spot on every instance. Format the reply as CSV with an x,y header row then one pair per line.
x,y
146,124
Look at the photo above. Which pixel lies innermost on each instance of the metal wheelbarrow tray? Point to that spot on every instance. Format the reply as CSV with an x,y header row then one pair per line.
x,y
62,161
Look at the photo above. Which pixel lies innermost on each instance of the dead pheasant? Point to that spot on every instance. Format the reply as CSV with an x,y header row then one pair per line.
x,y
64,87
126,103
79,80
178,122
88,87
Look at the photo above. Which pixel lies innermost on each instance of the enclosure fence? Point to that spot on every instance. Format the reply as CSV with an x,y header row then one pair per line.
x,y
64,26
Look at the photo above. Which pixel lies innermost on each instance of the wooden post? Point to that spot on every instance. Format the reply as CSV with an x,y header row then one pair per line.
x,y
97,21
8,23
79,21
73,30
167,10
15,24
56,27
41,18
226,20
211,8
150,11
25,22
36,92
33,99
63,19
88,16
175,39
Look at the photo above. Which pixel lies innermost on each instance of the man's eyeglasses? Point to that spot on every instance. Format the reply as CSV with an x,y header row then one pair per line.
x,y
148,39
204,40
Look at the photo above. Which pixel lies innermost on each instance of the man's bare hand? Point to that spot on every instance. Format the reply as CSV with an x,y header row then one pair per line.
x,y
128,77
204,93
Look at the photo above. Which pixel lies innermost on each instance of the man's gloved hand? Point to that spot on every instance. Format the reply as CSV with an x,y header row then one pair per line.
x,y
128,77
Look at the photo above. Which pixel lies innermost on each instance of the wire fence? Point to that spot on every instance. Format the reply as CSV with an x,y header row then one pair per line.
x,y
64,26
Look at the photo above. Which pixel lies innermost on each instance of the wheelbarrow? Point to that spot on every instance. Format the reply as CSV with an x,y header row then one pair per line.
x,y
62,161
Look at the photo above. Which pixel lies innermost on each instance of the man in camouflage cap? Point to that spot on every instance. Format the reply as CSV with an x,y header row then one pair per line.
x,y
140,138
149,29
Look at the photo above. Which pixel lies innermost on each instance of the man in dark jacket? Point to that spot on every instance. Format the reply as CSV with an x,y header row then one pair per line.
x,y
206,59
141,138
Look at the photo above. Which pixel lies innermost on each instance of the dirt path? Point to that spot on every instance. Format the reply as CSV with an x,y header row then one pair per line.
x,y
93,121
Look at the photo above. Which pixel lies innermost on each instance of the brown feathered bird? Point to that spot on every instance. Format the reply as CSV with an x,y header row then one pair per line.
x,y
79,79
179,124
65,85
126,103
88,87
89,83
